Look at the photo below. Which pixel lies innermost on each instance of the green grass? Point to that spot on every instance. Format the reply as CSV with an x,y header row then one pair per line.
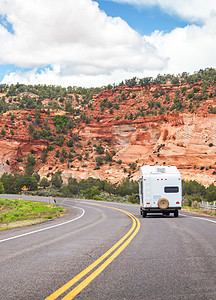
x,y
18,210
199,210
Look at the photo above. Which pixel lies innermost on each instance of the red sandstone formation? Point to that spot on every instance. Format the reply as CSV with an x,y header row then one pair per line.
x,y
185,139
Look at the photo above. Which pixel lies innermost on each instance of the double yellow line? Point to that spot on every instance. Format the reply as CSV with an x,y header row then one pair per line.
x,y
116,249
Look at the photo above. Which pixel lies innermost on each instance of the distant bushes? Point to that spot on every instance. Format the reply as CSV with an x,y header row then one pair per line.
x,y
13,184
96,189
198,192
93,188
89,188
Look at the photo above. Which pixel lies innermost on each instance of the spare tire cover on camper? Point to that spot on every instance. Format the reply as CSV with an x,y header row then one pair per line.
x,y
163,203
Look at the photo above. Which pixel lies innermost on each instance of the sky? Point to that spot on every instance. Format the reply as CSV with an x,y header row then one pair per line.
x,y
95,43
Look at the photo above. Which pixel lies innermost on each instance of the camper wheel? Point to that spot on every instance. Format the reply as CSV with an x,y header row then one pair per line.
x,y
144,214
165,213
176,214
141,211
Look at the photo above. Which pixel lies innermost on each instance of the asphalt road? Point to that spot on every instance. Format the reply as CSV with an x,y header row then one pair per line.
x,y
166,258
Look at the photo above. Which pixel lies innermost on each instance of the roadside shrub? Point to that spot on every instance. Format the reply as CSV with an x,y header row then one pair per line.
x,y
97,198
132,198
195,204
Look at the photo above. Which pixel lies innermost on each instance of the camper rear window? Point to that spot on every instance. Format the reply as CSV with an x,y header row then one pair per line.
x,y
171,189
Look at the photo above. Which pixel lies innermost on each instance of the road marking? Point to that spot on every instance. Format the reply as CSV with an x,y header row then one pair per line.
x,y
43,229
124,241
200,218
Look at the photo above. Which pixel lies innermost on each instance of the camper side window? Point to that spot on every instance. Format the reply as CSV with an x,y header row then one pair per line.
x,y
141,185
171,189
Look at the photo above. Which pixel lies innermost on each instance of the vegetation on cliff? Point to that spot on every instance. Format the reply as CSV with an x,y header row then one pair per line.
x,y
78,101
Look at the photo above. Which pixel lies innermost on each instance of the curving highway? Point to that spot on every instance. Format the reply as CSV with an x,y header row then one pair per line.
x,y
107,251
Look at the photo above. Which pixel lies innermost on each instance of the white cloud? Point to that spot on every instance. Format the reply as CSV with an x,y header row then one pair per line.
x,y
189,49
192,10
75,35
83,46
53,76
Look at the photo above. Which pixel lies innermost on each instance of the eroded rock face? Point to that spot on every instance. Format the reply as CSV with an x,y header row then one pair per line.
x,y
12,150
181,140
125,129
8,155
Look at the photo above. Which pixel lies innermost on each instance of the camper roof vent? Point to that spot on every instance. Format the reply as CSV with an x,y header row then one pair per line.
x,y
161,170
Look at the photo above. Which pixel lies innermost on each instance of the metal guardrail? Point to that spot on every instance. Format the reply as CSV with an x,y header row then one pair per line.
x,y
207,206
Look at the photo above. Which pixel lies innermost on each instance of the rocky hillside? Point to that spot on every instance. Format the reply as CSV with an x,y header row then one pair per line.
x,y
110,133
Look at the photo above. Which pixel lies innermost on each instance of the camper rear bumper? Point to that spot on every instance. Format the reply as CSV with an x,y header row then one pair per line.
x,y
158,210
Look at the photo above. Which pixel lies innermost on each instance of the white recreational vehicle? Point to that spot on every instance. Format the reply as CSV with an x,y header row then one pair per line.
x,y
160,190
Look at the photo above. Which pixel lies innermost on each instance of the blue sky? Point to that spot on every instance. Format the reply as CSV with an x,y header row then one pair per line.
x,y
144,20
4,22
81,43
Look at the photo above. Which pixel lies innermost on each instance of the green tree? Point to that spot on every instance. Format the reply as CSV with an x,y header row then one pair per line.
x,y
30,163
44,182
31,128
2,191
70,143
211,193
57,180
131,82
8,182
72,187
127,187
108,157
175,80
192,187
44,156
99,160
133,166
25,180
100,149
37,117
36,176
61,122
60,140
90,192
145,81
151,104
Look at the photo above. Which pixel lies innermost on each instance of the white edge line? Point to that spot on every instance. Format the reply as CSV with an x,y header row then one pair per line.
x,y
200,218
46,228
